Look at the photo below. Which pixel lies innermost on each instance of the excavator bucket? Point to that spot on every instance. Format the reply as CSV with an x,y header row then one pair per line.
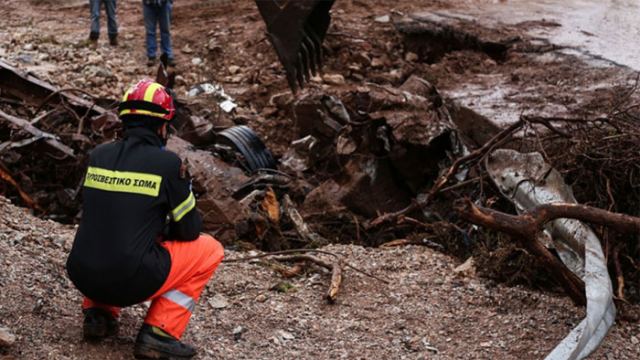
x,y
296,29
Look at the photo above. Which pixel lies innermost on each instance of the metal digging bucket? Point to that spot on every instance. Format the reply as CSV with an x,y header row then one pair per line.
x,y
255,155
296,30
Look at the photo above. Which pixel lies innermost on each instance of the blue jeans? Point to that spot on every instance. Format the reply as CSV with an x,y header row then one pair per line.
x,y
160,15
110,7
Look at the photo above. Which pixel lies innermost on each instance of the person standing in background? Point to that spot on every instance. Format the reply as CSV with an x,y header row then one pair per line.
x,y
158,12
112,23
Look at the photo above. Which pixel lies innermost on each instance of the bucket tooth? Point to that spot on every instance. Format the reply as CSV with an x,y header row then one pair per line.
x,y
296,30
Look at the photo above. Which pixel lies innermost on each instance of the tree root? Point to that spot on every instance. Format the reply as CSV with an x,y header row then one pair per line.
x,y
524,229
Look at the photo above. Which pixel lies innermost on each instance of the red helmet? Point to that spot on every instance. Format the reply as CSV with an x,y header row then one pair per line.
x,y
147,98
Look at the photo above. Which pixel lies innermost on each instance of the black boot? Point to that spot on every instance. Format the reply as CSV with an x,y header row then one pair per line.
x,y
98,324
93,40
113,40
153,343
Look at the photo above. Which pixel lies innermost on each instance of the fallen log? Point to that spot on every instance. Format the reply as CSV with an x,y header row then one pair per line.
x,y
524,229
405,242
307,258
335,267
50,139
336,281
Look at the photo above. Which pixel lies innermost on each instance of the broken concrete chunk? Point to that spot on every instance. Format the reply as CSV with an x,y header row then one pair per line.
x,y
474,128
409,126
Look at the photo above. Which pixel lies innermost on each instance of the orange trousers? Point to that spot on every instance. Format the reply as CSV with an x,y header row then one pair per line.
x,y
192,265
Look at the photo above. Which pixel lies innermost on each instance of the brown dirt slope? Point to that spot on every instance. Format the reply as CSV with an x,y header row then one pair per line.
x,y
427,311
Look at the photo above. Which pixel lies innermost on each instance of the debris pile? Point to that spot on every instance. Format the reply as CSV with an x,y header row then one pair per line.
x,y
45,134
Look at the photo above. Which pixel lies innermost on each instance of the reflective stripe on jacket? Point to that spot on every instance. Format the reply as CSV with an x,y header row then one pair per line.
x,y
133,196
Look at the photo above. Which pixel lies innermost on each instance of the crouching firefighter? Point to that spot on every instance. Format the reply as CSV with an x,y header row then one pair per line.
x,y
139,238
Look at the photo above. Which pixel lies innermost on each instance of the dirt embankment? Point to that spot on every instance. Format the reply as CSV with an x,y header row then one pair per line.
x,y
427,311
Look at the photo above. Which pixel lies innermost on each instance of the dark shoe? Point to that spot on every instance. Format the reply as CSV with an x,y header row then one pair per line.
x,y
98,324
153,343
113,40
167,61
93,40
151,61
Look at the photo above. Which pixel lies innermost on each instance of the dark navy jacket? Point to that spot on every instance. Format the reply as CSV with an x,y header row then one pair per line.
x,y
134,196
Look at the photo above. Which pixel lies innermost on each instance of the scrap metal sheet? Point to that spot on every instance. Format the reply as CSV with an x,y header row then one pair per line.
x,y
528,181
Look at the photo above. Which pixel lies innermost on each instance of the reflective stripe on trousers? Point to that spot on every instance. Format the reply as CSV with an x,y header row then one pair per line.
x,y
192,265
181,299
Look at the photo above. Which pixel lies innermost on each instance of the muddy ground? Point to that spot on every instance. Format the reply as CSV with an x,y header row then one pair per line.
x,y
427,310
